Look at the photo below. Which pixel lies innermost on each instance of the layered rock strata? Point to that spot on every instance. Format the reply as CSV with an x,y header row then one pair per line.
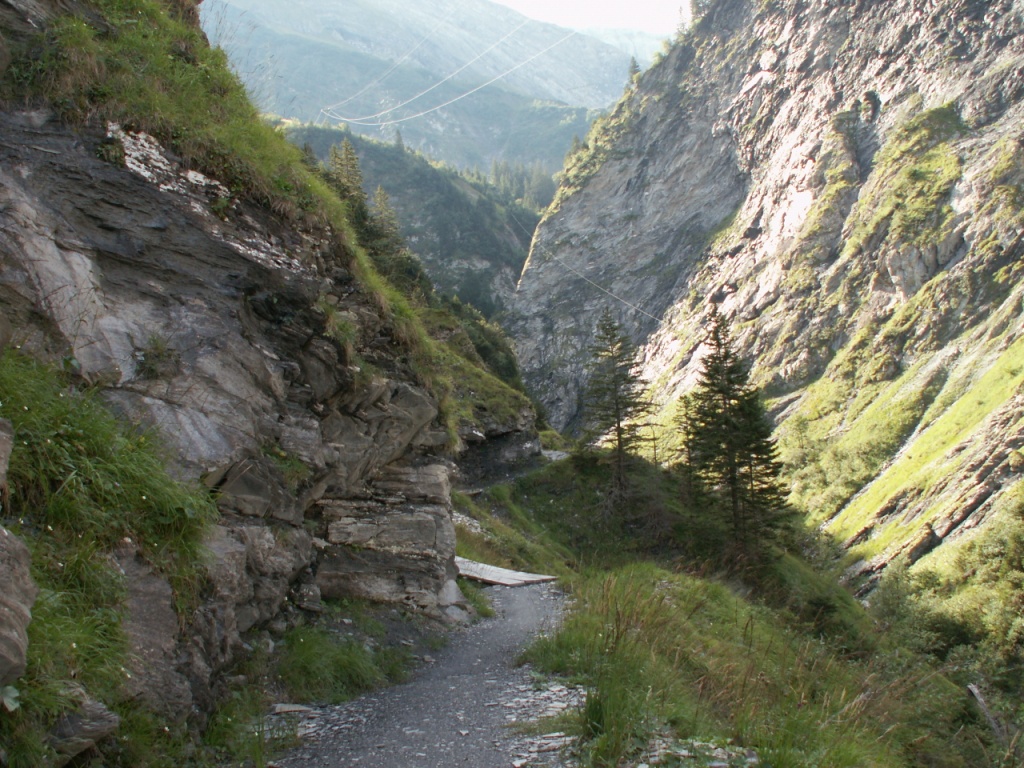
x,y
214,331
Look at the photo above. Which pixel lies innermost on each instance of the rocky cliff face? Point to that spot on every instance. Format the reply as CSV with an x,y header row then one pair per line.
x,y
331,479
846,182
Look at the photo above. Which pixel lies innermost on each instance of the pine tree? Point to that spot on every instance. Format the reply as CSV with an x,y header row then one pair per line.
x,y
309,158
385,221
346,177
614,401
700,9
382,236
634,71
728,445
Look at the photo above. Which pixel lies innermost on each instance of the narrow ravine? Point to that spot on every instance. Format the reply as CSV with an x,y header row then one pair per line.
x,y
460,710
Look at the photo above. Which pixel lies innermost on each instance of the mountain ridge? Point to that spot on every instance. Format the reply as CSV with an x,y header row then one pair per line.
x,y
845,183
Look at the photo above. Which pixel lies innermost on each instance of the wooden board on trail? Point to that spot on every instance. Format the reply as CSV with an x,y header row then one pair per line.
x,y
492,574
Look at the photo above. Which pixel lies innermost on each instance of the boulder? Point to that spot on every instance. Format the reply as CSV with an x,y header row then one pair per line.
x,y
428,483
275,558
395,545
383,577
256,488
82,729
16,600
152,628
19,592
226,559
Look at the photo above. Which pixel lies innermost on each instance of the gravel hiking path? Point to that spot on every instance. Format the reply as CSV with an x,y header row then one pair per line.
x,y
455,712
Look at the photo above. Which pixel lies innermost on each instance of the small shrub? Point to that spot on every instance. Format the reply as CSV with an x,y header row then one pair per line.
x,y
157,359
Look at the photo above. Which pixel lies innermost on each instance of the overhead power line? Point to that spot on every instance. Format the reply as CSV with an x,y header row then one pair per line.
x,y
579,274
382,123
393,67
602,289
361,120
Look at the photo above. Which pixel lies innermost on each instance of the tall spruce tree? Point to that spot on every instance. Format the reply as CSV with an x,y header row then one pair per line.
x,y
346,178
383,238
385,220
614,402
729,448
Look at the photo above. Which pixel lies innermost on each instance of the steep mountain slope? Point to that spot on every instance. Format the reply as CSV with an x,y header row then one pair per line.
x,y
846,183
472,244
372,59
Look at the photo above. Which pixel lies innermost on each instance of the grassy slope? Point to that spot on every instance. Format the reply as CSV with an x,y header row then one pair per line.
x,y
80,485
187,97
796,669
447,218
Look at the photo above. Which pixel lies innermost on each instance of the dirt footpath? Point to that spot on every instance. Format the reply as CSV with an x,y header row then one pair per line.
x,y
459,711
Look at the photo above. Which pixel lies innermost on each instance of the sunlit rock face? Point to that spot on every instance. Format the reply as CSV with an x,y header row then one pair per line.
x,y
846,183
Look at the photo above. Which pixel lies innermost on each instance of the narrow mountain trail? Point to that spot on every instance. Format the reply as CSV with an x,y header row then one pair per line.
x,y
460,710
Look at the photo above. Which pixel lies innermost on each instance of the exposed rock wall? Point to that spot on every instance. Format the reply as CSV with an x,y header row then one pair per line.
x,y
214,332
845,181
19,591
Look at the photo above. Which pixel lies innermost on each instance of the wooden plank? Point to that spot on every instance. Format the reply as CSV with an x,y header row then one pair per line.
x,y
492,574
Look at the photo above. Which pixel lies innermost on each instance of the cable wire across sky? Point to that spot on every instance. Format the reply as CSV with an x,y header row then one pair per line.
x,y
362,120
392,68
376,121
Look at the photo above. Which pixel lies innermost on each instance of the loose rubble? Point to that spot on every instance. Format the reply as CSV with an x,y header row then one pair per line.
x,y
525,702
529,704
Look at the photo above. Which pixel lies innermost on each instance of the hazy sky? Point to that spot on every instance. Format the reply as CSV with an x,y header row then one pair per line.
x,y
658,16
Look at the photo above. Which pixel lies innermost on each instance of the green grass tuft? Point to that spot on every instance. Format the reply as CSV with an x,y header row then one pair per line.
x,y
318,666
79,486
913,177
475,596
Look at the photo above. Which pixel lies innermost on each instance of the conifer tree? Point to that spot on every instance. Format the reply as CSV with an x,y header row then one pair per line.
x,y
614,401
634,71
346,177
381,234
729,447
386,221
